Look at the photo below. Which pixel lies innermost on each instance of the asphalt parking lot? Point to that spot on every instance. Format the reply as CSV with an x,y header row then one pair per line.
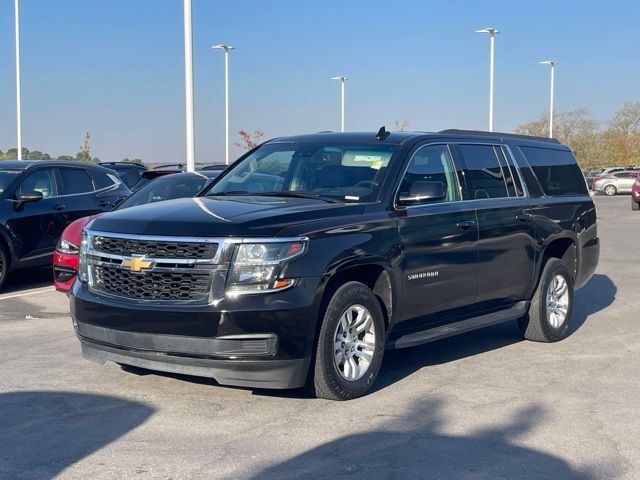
x,y
485,405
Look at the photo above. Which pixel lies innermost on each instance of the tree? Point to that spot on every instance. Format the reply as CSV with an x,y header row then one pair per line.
x,y
65,157
249,140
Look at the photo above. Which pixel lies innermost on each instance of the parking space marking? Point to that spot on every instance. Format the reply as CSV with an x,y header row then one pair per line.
x,y
29,292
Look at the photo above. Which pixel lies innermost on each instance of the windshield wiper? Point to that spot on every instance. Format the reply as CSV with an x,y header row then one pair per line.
x,y
231,192
310,196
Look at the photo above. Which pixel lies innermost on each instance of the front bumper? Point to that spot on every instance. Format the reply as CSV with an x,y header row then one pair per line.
x,y
256,341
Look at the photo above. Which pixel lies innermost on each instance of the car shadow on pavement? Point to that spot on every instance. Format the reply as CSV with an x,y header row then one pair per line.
x,y
415,445
44,432
596,295
28,278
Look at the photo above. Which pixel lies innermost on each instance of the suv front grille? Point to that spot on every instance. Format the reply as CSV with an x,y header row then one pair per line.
x,y
158,285
155,248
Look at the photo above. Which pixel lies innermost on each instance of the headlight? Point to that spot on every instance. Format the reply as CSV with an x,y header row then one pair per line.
x,y
65,246
256,267
82,264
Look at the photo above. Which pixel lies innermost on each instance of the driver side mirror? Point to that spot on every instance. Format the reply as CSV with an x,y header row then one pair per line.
x,y
28,196
422,191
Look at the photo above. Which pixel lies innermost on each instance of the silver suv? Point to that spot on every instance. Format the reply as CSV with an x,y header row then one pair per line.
x,y
615,182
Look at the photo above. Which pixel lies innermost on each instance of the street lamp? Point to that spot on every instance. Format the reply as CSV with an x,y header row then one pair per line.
x,y
342,80
226,49
18,93
188,88
552,64
492,33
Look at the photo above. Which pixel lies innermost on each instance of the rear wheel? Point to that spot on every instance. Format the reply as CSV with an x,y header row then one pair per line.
x,y
4,265
610,190
635,205
350,345
551,305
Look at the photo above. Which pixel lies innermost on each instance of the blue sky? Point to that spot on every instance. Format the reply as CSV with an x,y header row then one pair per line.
x,y
115,68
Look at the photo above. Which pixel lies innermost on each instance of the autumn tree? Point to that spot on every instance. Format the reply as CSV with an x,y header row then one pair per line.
x,y
249,140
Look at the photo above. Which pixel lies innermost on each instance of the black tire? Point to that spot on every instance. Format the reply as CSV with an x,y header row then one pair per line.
x,y
610,190
4,266
635,206
325,380
536,325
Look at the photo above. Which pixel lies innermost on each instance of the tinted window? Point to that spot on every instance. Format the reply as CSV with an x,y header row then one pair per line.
x,y
431,164
75,180
129,175
556,170
180,185
42,181
483,172
625,175
101,179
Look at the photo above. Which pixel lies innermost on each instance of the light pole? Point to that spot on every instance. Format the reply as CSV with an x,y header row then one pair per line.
x,y
18,93
226,49
188,88
552,64
342,80
492,33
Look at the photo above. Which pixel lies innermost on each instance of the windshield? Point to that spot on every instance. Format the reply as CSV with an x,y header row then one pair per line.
x,y
181,185
6,177
334,171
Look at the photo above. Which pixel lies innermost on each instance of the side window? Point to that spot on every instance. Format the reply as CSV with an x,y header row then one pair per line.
x,y
75,180
42,181
556,170
101,179
483,172
430,169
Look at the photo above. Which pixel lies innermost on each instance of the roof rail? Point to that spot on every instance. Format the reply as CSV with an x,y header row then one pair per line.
x,y
498,134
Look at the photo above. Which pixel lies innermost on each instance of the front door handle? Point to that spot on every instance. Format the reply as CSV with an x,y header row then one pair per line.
x,y
59,206
466,225
524,217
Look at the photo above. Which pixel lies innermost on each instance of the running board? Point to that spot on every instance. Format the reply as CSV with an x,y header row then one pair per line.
x,y
450,329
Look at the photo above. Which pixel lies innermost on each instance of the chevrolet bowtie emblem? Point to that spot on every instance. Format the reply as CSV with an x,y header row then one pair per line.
x,y
136,264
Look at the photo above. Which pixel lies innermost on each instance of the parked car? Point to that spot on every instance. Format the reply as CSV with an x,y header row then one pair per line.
x,y
162,170
129,172
615,182
588,177
177,185
313,254
38,199
635,194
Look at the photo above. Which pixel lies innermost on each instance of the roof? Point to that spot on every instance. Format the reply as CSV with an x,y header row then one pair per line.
x,y
24,164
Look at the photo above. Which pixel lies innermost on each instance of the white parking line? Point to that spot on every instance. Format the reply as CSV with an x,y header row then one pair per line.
x,y
28,292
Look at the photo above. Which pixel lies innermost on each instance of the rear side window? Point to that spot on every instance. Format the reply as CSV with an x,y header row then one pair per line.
x,y
75,180
556,170
101,179
483,172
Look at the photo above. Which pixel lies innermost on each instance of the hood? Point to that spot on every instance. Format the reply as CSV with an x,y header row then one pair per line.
x,y
220,216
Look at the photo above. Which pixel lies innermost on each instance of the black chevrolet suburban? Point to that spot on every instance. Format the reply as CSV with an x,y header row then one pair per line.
x,y
313,254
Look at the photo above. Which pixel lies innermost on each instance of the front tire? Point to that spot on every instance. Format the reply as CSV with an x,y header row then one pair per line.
x,y
350,344
4,266
551,305
635,206
610,190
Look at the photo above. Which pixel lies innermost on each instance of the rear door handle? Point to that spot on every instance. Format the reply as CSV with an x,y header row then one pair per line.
x,y
467,224
59,206
524,217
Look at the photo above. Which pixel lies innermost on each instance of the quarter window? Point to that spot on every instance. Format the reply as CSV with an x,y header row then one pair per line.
x,y
431,166
483,172
556,170
42,181
75,180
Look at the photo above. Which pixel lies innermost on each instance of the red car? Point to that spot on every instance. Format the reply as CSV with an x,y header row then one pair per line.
x,y
166,187
635,194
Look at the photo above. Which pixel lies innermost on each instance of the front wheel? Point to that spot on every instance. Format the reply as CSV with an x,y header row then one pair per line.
x,y
635,206
350,344
551,305
610,190
4,266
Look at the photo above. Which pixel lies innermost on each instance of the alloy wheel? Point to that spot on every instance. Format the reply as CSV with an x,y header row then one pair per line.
x,y
354,342
557,301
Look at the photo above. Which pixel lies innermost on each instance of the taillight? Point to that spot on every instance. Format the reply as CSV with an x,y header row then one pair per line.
x,y
596,179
